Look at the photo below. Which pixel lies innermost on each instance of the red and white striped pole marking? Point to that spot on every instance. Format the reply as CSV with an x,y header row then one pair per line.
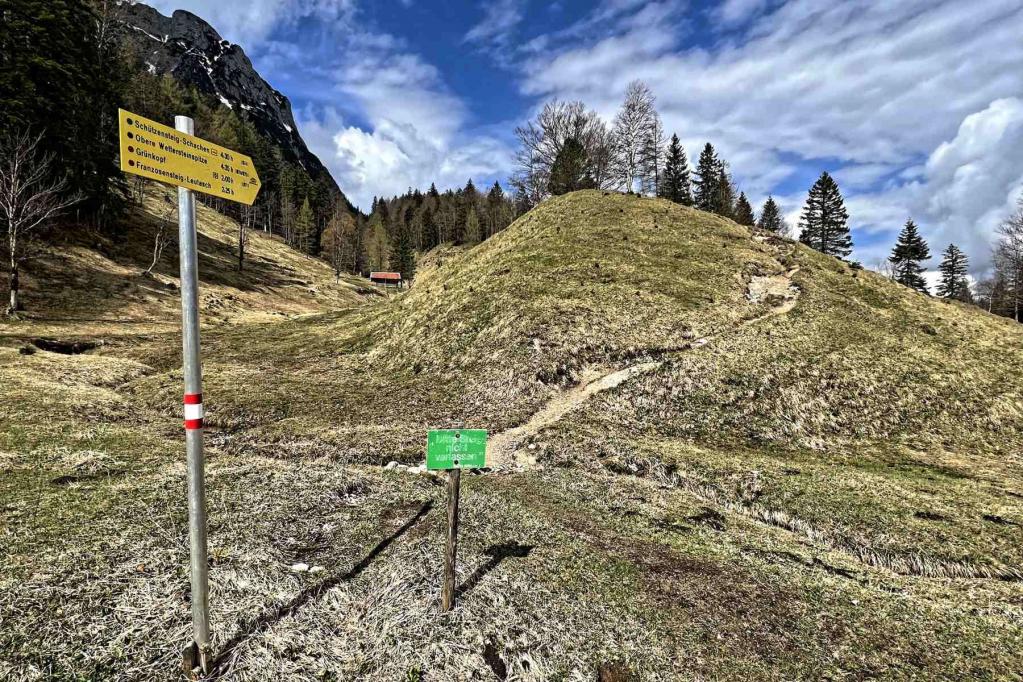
x,y
199,652
193,411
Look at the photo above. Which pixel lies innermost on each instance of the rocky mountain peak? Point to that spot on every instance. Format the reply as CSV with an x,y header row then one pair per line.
x,y
187,47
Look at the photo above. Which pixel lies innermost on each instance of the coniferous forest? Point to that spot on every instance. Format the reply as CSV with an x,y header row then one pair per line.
x,y
65,69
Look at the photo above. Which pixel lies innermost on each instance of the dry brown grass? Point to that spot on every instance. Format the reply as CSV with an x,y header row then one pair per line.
x,y
94,285
911,563
781,540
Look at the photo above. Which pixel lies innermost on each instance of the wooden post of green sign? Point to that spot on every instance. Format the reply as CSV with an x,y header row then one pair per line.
x,y
453,450
450,551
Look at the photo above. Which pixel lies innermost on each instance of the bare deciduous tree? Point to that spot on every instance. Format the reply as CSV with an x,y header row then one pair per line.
x,y
884,267
1008,260
638,134
138,186
164,236
30,196
339,241
652,156
246,221
542,140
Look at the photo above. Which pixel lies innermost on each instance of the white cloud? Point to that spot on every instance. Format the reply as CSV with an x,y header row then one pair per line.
x,y
862,81
413,131
500,19
735,12
968,185
864,175
379,116
250,22
393,156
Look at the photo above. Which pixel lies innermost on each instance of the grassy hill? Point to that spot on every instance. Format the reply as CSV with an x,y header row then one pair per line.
x,y
717,455
94,284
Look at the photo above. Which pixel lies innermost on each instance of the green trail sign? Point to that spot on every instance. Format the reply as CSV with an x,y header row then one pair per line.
x,y
456,449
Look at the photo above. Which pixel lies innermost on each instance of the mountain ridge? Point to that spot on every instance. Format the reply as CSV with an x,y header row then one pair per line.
x,y
187,47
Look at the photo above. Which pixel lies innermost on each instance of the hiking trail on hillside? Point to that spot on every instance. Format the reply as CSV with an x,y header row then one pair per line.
x,y
505,451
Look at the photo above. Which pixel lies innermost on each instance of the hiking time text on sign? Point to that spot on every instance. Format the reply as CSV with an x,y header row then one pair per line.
x,y
159,152
456,449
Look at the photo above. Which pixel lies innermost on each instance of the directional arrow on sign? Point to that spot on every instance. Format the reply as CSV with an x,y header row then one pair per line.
x,y
159,152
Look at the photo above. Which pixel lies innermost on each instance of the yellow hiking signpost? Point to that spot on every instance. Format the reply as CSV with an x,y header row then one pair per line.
x,y
159,152
176,156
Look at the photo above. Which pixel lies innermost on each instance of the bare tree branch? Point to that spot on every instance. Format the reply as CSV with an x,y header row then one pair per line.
x,y
31,195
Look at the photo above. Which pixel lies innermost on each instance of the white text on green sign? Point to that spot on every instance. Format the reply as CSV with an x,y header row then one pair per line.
x,y
456,449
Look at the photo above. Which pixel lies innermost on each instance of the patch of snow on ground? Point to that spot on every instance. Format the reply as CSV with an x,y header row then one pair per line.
x,y
149,34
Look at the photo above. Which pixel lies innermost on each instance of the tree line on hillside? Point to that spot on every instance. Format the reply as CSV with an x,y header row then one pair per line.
x,y
1000,293
397,228
568,147
64,71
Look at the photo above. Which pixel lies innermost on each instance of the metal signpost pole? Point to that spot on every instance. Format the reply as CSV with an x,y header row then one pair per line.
x,y
198,652
175,156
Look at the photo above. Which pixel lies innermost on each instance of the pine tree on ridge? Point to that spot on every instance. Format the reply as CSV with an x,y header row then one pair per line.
x,y
771,218
910,250
743,211
706,185
954,269
676,185
824,222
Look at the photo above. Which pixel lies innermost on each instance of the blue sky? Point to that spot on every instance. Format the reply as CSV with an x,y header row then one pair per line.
x,y
915,106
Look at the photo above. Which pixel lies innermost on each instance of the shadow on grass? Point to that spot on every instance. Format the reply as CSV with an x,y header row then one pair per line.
x,y
309,594
497,554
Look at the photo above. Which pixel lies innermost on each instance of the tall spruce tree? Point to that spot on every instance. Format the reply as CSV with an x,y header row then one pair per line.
x,y
770,217
954,269
708,171
405,254
910,250
569,172
743,211
468,197
676,185
499,212
724,194
825,220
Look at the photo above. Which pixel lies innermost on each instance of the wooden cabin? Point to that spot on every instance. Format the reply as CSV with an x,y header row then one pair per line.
x,y
388,279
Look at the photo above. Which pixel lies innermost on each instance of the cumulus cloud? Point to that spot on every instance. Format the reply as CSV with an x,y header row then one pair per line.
x,y
389,157
411,130
379,116
967,186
